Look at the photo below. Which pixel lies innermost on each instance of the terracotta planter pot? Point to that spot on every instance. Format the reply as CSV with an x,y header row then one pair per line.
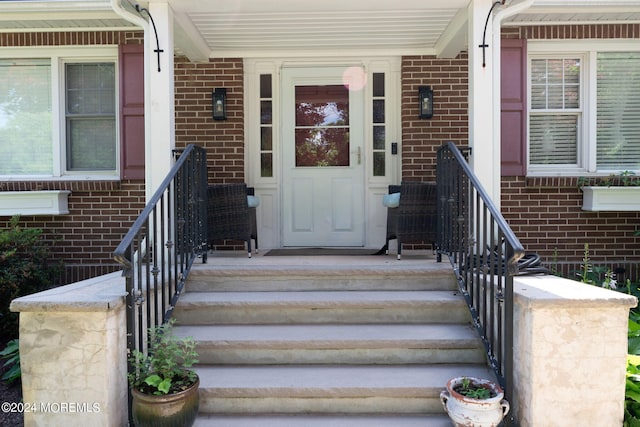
x,y
468,412
171,410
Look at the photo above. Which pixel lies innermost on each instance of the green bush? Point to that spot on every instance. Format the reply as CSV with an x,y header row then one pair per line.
x,y
11,365
25,268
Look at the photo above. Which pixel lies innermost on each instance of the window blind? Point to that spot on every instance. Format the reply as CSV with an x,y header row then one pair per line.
x,y
25,117
618,115
553,139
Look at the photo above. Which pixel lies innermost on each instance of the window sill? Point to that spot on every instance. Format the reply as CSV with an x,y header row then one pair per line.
x,y
53,202
611,198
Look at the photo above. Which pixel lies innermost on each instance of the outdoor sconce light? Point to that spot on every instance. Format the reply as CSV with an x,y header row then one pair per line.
x,y
425,97
219,104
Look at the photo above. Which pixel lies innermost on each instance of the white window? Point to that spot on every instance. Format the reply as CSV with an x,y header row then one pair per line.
x,y
58,114
618,111
584,108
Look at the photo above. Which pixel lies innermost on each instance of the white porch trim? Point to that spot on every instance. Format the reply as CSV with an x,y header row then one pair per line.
x,y
481,101
160,100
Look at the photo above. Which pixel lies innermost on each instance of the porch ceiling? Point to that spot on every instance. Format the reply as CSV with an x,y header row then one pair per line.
x,y
328,27
257,28
261,28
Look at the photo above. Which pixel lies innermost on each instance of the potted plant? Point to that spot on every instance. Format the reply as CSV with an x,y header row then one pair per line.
x,y
163,385
474,402
616,192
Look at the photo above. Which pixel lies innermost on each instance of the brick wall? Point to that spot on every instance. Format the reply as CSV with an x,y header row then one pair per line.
x,y
421,138
101,212
223,139
545,213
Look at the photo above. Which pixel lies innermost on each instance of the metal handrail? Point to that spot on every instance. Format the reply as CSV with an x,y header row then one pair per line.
x,y
159,249
484,253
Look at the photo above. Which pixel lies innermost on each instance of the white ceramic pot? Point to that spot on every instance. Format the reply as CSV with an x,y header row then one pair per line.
x,y
468,412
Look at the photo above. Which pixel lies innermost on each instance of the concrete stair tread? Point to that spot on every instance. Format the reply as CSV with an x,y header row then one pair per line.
x,y
330,336
332,380
330,298
323,421
319,342
320,273
320,267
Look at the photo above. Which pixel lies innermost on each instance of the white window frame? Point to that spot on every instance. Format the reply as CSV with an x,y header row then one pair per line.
x,y
587,50
59,56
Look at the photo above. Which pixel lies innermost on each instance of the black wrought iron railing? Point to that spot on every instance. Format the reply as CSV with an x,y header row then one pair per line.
x,y
484,253
158,251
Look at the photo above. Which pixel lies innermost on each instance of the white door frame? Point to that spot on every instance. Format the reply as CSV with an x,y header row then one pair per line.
x,y
269,188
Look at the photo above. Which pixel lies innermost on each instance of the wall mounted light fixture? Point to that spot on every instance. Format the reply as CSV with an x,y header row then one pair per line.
x,y
219,104
425,97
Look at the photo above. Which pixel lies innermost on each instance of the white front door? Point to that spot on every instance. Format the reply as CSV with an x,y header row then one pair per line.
x,y
323,156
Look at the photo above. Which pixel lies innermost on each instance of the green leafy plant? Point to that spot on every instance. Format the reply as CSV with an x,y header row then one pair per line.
x,y
632,392
25,267
472,390
632,385
166,367
624,178
596,275
11,356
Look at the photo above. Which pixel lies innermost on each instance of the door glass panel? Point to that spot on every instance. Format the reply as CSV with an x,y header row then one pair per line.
x,y
379,126
266,126
322,126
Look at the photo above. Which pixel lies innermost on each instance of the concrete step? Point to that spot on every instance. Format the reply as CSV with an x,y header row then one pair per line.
x,y
207,308
329,344
393,276
327,389
322,421
322,341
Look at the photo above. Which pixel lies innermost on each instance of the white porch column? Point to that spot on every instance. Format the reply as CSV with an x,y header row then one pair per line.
x,y
159,108
485,158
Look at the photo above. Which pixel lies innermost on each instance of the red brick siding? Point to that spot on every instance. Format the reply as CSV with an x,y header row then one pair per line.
x,y
223,139
421,138
101,212
576,31
72,38
545,213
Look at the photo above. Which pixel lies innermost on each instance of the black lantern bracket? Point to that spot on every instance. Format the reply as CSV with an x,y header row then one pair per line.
x,y
425,99
157,50
484,44
219,103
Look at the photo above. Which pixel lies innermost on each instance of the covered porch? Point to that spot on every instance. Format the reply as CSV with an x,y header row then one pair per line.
x,y
403,323
569,364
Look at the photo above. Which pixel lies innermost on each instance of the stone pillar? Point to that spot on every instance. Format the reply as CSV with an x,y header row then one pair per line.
x,y
73,354
570,349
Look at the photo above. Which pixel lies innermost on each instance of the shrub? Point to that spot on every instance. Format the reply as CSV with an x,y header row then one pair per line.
x,y
25,268
11,365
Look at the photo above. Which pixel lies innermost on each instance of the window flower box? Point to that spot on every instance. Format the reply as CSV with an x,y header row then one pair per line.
x,y
34,202
610,198
616,192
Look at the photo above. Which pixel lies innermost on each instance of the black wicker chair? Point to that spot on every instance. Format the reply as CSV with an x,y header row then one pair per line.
x,y
392,220
415,219
253,218
229,216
